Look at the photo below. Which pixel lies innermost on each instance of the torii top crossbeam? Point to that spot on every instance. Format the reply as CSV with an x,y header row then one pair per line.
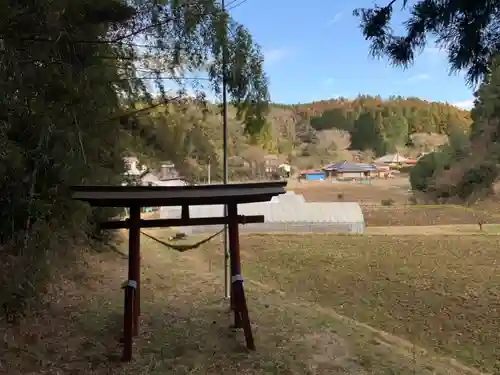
x,y
136,197
190,195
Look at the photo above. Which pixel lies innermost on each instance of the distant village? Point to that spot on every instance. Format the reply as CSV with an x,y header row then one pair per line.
x,y
384,167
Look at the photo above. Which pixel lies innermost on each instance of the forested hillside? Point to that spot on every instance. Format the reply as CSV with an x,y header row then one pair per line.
x,y
308,135
384,125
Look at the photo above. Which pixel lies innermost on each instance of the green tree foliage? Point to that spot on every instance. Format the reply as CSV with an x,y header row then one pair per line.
x,y
396,129
466,30
59,116
334,118
383,125
423,173
367,133
78,78
487,106
420,115
473,157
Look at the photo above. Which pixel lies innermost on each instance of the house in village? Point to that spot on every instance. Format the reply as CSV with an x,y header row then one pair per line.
x,y
276,166
166,175
395,159
312,175
133,167
271,163
346,170
137,174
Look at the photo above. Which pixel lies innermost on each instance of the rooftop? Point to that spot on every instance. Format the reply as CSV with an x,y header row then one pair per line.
x,y
344,166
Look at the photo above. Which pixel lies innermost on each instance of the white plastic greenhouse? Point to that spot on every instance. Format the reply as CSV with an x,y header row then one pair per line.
x,y
285,213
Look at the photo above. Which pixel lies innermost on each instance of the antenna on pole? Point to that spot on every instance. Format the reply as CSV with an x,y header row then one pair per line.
x,y
227,281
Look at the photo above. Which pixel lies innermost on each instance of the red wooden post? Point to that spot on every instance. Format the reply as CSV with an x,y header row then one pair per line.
x,y
134,241
128,321
241,318
132,292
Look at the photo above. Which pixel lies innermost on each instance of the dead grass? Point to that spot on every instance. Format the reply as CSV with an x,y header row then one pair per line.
x,y
440,292
433,230
400,214
184,321
421,215
370,197
396,189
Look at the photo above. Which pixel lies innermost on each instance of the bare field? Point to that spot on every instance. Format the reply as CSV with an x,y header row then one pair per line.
x,y
374,193
339,305
421,215
440,292
400,213
433,230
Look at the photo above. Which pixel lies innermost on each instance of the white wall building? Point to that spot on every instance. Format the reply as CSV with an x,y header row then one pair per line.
x,y
285,213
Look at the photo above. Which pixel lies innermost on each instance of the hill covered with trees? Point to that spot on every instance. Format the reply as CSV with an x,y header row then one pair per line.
x,y
308,135
384,125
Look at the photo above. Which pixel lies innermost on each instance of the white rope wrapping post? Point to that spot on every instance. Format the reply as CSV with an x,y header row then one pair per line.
x,y
129,283
236,278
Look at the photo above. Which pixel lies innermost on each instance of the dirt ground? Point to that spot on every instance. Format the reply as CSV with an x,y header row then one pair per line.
x,y
300,326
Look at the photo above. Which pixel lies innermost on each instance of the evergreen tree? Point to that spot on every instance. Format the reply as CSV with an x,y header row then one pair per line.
x,y
396,130
486,109
367,133
466,30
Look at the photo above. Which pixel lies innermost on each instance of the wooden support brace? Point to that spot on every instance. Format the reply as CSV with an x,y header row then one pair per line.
x,y
159,223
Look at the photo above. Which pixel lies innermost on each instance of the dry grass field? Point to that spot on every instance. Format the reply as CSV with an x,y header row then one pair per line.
x,y
401,212
327,305
441,292
421,215
369,194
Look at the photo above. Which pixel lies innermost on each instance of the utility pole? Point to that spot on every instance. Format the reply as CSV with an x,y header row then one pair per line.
x,y
209,168
227,280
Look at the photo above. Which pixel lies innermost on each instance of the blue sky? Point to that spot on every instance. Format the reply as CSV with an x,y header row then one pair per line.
x,y
314,50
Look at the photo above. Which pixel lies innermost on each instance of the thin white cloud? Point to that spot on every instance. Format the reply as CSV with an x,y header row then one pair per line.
x,y
419,77
466,104
275,55
336,18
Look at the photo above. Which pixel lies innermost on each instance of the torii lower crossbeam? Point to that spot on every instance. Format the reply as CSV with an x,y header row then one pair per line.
x,y
136,197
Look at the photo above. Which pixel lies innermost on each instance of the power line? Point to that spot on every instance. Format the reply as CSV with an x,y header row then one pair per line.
x,y
234,4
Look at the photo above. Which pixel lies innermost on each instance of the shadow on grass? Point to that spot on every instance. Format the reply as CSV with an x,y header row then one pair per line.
x,y
175,340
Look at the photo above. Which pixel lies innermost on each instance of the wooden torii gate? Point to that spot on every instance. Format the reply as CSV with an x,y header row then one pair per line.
x,y
136,197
